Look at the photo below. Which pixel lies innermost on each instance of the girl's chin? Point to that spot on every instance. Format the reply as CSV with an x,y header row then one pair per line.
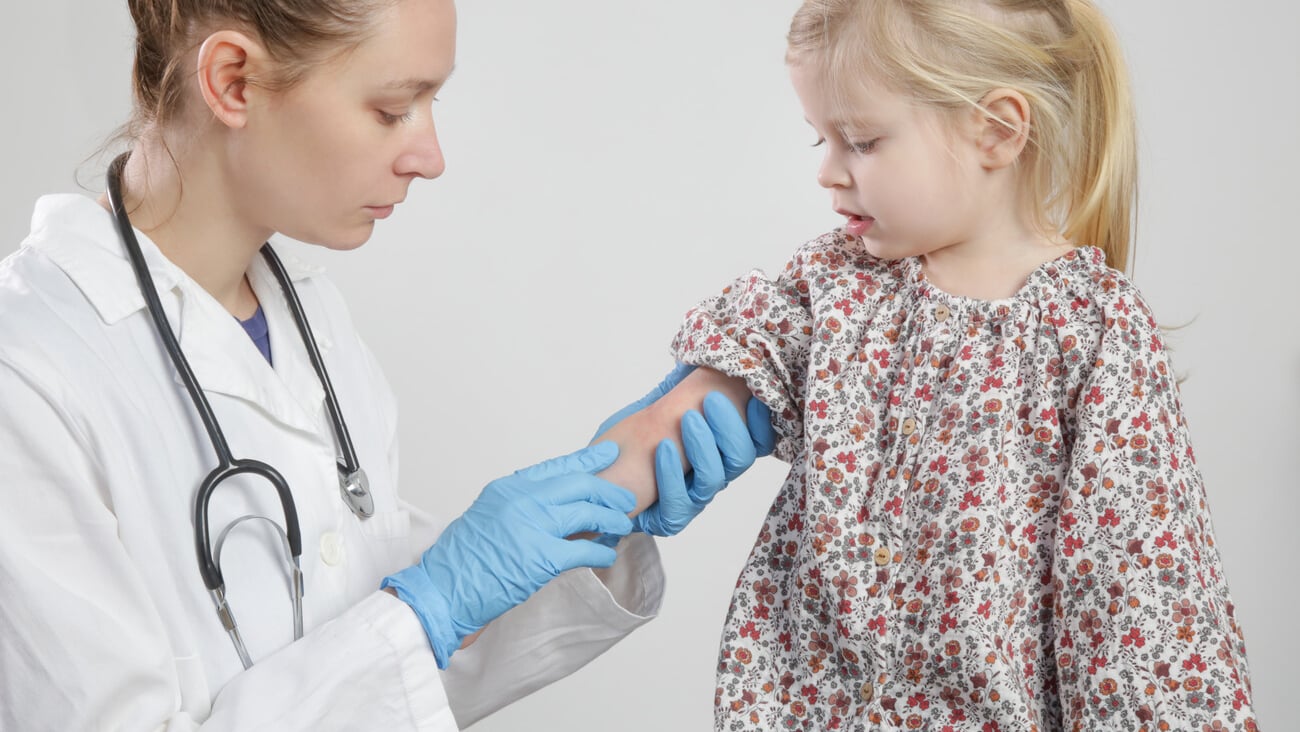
x,y
879,249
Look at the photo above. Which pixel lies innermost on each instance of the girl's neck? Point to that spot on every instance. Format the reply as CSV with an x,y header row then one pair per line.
x,y
995,260
186,207
967,271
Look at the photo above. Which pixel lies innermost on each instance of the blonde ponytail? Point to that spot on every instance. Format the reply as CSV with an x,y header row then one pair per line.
x,y
1101,207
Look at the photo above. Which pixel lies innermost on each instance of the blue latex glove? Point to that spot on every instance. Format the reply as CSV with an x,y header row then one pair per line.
x,y
511,542
719,447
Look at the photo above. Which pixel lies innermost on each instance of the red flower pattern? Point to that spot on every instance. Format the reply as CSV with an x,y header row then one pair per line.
x,y
1001,494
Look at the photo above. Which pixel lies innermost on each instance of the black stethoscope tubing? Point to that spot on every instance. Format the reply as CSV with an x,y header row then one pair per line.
x,y
351,478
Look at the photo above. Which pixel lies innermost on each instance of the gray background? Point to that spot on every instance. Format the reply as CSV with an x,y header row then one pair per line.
x,y
609,163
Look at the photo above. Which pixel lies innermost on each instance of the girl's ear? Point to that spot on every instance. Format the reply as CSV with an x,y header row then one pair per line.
x,y
1002,125
227,61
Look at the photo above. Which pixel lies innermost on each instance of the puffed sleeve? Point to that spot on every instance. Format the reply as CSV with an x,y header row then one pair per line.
x,y
1144,625
760,330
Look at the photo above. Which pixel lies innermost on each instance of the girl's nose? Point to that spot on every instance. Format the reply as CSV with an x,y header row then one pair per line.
x,y
832,174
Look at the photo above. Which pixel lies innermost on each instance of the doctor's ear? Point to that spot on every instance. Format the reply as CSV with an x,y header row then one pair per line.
x,y
1002,126
228,62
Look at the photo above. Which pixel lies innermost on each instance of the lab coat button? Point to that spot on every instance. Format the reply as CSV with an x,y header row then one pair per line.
x,y
331,548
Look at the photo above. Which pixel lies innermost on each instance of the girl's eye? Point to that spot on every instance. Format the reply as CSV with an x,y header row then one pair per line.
x,y
819,142
865,147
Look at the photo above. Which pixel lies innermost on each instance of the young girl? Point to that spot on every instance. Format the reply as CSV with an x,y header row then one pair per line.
x,y
993,519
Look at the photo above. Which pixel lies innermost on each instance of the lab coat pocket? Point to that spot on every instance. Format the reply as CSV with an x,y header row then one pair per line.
x,y
395,524
388,536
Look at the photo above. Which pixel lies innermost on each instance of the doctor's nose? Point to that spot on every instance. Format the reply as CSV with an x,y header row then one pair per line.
x,y
422,155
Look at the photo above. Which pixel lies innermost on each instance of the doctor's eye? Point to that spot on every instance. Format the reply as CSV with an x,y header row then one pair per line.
x,y
392,119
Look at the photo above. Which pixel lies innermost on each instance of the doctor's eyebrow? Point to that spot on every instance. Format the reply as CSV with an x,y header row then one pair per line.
x,y
416,84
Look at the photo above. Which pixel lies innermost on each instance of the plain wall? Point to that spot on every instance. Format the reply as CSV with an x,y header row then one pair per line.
x,y
610,163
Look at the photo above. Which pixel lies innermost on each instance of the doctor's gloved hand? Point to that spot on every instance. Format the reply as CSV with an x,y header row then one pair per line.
x,y
719,447
510,543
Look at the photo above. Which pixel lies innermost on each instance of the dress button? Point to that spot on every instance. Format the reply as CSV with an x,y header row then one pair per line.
x,y
331,548
941,313
867,692
882,556
909,426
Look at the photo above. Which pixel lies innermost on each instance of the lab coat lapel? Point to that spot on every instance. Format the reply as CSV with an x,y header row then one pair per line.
x,y
222,356
225,361
288,351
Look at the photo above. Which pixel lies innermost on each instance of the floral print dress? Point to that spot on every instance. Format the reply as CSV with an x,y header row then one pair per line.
x,y
993,518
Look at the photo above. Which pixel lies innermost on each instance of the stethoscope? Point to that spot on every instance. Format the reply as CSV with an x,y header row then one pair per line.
x,y
352,479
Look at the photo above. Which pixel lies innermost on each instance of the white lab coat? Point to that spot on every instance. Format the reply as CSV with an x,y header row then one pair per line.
x,y
104,621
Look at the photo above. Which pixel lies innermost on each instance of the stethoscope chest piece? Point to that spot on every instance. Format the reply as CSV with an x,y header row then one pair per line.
x,y
355,489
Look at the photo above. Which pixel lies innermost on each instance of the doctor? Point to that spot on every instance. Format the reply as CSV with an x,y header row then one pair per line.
x,y
308,119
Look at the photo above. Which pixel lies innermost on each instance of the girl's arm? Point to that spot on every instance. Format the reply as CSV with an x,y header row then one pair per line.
x,y
757,329
639,434
1145,631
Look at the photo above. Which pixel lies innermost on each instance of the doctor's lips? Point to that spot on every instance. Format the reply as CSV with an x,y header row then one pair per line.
x,y
381,212
857,225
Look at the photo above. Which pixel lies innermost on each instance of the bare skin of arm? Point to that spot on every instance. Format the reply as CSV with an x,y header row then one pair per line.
x,y
639,434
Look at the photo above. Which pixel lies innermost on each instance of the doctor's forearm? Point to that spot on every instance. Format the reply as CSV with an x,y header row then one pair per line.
x,y
638,435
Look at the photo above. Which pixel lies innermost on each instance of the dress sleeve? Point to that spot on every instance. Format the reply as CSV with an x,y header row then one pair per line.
x,y
1144,628
760,330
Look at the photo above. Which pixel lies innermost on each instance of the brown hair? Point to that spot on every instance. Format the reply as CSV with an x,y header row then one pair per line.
x,y
1080,167
298,34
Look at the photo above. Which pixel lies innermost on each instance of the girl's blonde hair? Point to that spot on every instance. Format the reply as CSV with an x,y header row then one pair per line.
x,y
1079,170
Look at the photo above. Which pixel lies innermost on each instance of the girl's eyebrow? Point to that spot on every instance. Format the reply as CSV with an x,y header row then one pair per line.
x,y
859,123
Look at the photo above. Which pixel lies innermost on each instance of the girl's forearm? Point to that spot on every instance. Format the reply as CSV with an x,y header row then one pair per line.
x,y
638,435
